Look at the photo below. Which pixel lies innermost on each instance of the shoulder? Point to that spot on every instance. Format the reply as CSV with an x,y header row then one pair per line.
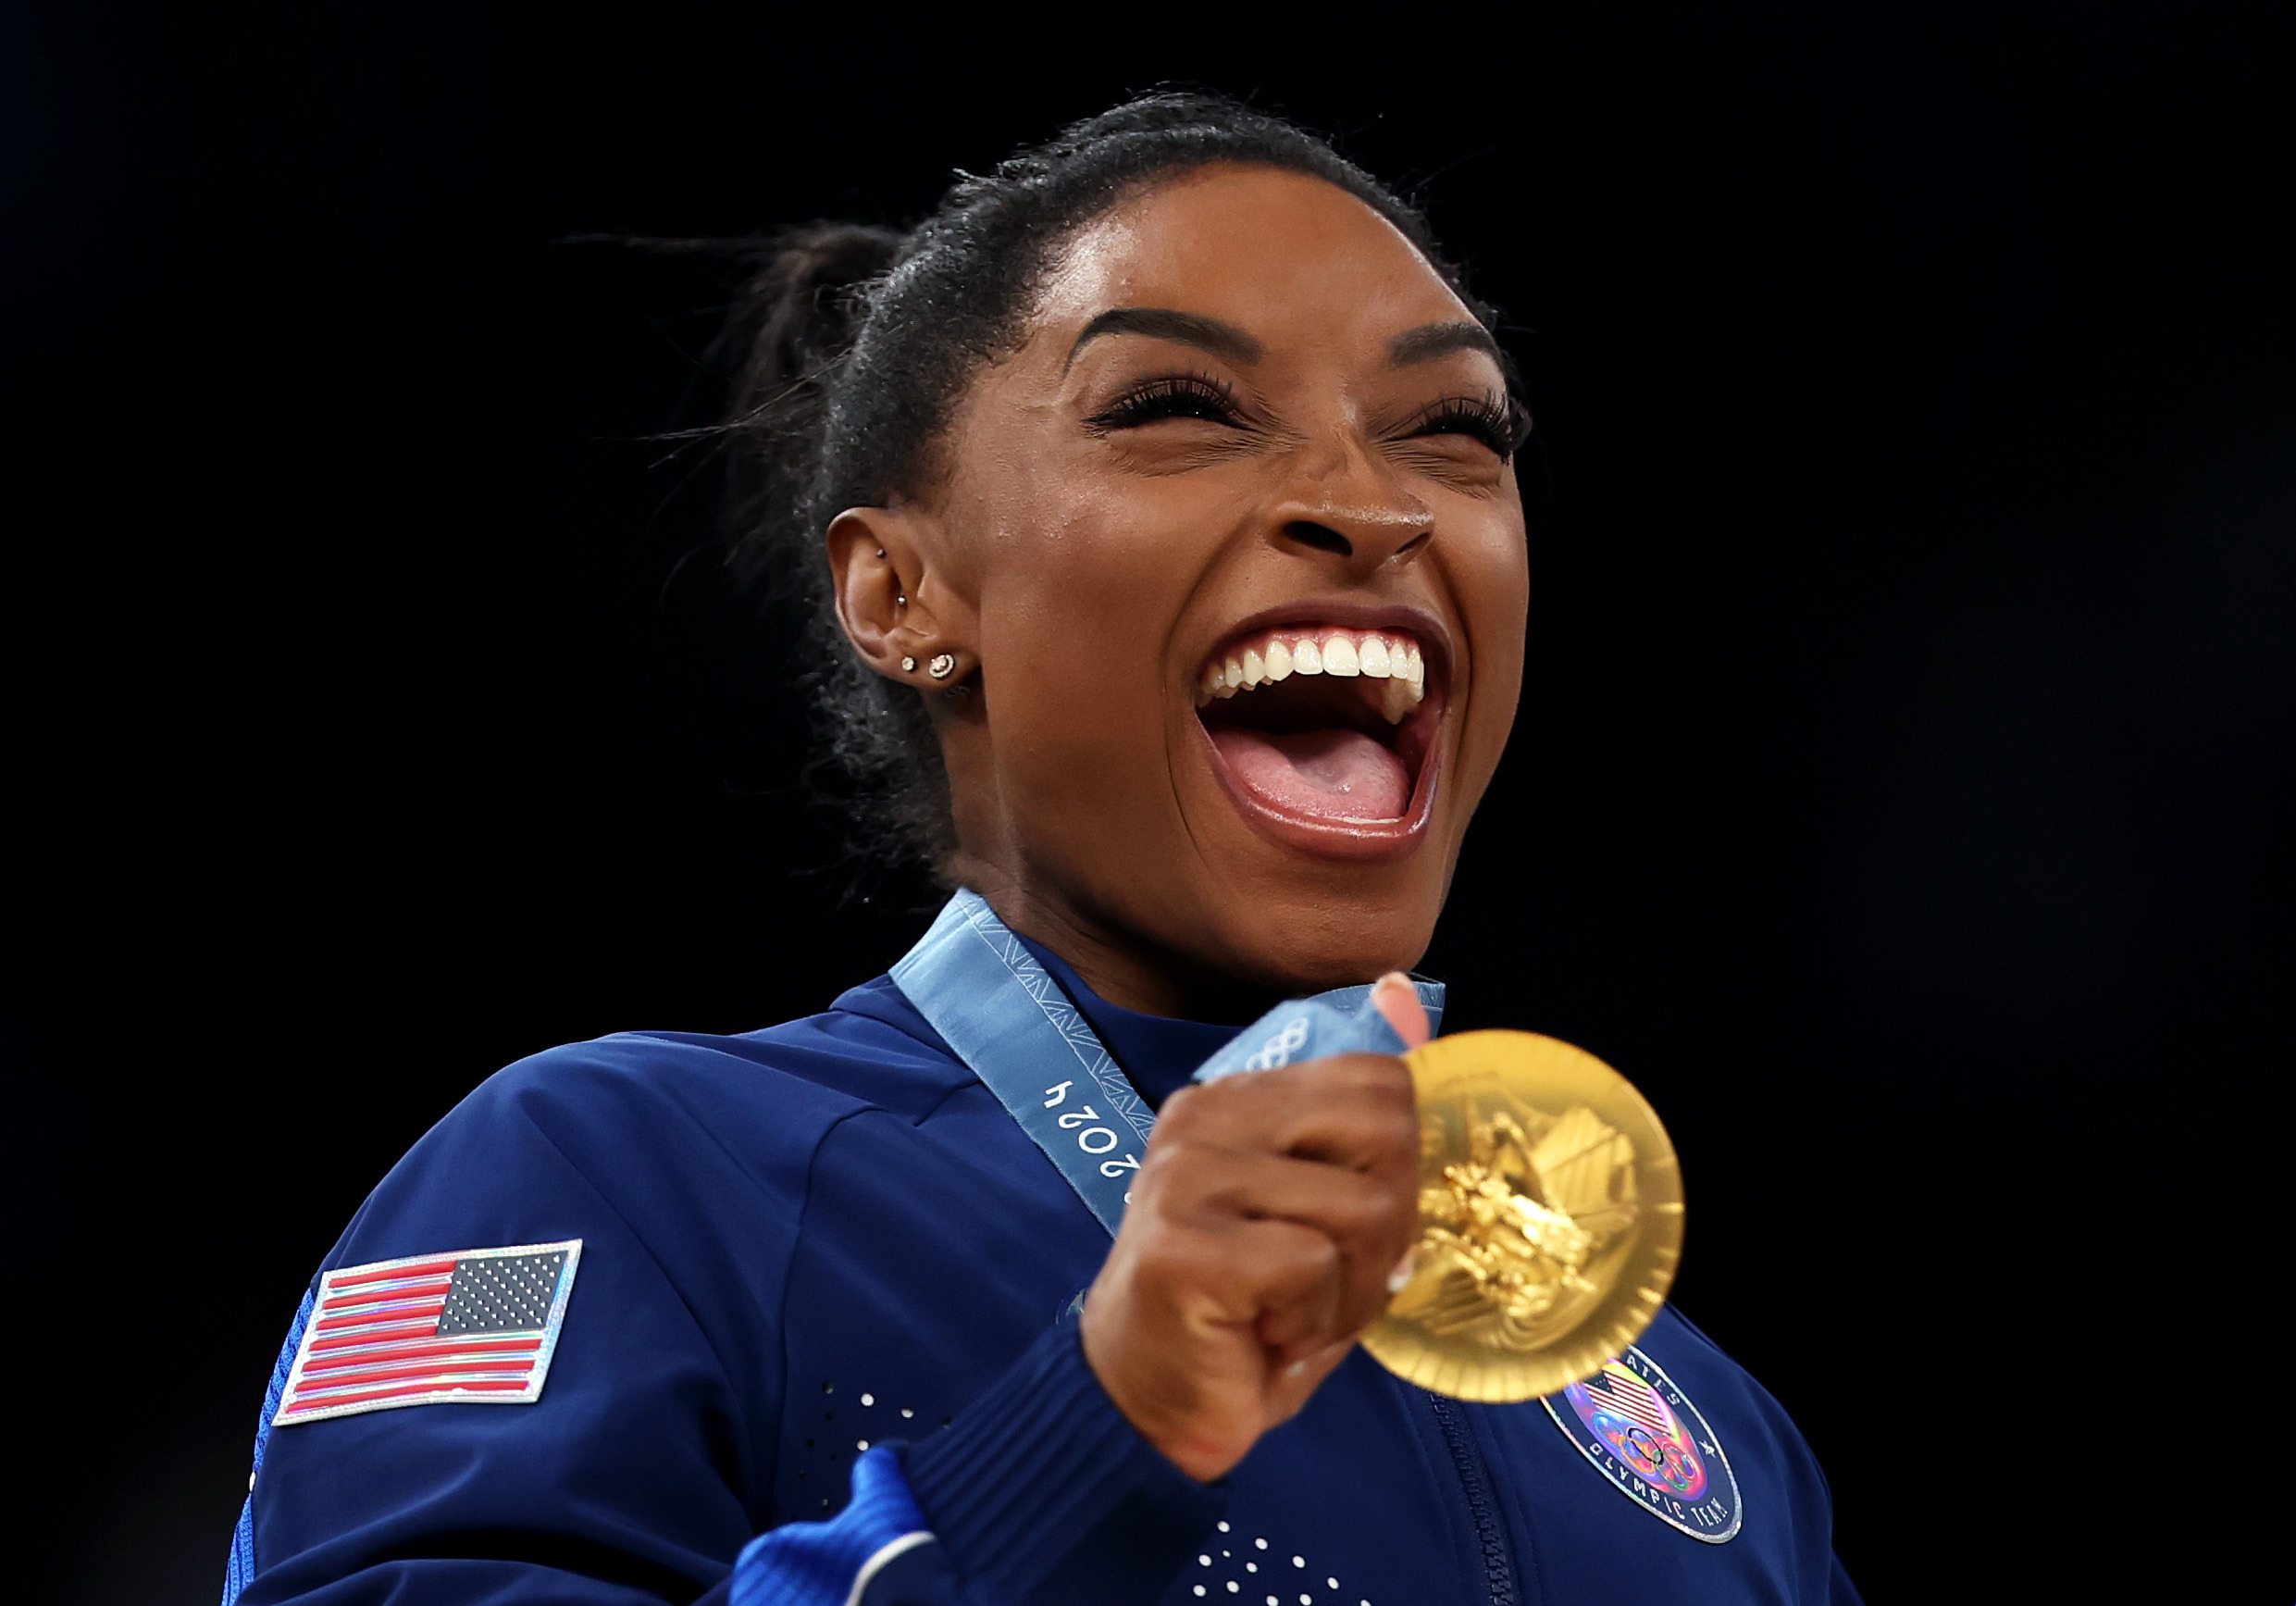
x,y
655,1126
870,1051
1689,1353
1705,1369
1760,1438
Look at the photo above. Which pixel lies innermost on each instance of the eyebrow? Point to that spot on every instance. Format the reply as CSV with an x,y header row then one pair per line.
x,y
1422,344
1222,340
1431,341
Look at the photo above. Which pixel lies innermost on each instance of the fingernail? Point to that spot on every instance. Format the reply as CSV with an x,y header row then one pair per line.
x,y
1397,1001
1399,1278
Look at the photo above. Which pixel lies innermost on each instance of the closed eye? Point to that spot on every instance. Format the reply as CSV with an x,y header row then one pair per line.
x,y
1496,421
1170,396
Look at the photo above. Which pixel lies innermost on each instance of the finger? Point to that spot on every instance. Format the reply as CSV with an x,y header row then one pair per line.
x,y
1353,1109
1368,1221
1368,1218
1398,1005
1291,1276
1289,1285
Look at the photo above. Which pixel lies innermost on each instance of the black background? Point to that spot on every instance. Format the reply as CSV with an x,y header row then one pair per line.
x,y
1900,794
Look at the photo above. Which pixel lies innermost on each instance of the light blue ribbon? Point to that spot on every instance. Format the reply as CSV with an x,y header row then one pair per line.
x,y
1009,1021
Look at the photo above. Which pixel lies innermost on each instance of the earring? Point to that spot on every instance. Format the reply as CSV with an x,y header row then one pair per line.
x,y
908,665
900,601
942,666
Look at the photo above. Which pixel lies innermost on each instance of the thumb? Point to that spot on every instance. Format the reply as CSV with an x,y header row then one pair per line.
x,y
1398,1001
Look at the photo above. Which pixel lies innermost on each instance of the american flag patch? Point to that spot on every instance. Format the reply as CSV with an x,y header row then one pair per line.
x,y
474,1326
1632,1398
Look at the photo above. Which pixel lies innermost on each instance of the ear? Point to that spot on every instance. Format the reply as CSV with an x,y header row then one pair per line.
x,y
891,602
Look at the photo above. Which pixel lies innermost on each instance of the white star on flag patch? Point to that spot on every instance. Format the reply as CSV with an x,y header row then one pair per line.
x,y
472,1326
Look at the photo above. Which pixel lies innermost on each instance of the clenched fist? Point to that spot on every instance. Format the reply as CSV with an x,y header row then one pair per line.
x,y
1269,1216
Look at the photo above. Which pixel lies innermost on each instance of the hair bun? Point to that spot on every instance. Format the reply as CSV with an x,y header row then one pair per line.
x,y
788,325
801,303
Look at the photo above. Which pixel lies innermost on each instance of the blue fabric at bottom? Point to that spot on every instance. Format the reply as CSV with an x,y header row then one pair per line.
x,y
239,1570
821,1564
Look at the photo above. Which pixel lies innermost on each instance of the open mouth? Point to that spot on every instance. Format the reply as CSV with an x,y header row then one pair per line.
x,y
1325,727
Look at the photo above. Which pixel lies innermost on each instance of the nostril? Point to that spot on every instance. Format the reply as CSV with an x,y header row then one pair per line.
x,y
1320,535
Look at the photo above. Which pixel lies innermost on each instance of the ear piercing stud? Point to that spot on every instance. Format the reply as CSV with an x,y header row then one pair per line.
x,y
942,666
908,665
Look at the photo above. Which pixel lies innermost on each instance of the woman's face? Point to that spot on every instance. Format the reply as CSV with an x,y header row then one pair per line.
x,y
1250,437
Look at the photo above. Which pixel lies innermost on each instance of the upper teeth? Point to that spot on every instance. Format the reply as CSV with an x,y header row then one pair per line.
x,y
1392,656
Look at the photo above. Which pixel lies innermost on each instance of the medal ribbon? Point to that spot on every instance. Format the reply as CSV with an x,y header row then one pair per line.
x,y
1008,1020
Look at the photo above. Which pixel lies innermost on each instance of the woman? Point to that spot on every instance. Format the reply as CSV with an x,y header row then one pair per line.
x,y
1160,494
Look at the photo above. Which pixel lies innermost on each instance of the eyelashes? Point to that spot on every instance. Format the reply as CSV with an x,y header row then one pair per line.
x,y
1171,396
1497,420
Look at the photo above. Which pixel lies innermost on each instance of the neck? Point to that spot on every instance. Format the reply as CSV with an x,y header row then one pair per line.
x,y
1122,968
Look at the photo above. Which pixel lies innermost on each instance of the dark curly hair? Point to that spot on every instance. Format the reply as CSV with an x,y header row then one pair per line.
x,y
853,344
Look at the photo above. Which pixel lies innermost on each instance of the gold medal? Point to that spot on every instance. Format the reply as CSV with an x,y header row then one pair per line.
x,y
1550,1216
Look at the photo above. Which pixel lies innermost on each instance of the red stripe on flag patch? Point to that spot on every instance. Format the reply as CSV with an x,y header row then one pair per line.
x,y
482,1366
428,1294
381,1314
384,1270
479,1327
335,1359
409,1394
379,1333
325,1374
383,1293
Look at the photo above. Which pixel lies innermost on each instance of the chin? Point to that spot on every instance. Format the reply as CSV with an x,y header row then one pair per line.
x,y
1296,934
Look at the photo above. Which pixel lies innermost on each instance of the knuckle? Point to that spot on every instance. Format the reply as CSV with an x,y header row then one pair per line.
x,y
1310,1248
1180,1113
1399,1135
1309,1259
1368,1209
1192,1183
1374,1082
1184,1155
1173,1256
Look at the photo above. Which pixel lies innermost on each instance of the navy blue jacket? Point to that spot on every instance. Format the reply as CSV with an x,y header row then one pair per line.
x,y
827,1244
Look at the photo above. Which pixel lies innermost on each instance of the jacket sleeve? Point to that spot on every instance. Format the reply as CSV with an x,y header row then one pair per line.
x,y
1040,1490
634,1476
626,1481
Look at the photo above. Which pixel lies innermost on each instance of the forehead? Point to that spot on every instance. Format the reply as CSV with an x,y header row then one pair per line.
x,y
1279,254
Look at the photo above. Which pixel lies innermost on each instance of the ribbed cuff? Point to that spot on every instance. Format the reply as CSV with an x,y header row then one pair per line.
x,y
1042,1489
824,1563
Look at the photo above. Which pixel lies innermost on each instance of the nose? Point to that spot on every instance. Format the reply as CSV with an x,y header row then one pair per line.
x,y
1343,502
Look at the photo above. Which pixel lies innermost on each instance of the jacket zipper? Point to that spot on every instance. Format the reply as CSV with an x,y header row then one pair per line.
x,y
1498,1568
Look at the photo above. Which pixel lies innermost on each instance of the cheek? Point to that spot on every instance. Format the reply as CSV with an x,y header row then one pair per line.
x,y
1490,574
1503,603
1493,573
1079,598
1084,584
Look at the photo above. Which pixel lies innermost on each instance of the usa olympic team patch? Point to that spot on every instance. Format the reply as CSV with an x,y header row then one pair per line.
x,y
1642,1434
472,1326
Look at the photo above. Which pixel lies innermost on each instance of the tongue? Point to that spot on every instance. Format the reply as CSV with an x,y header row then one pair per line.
x,y
1330,774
